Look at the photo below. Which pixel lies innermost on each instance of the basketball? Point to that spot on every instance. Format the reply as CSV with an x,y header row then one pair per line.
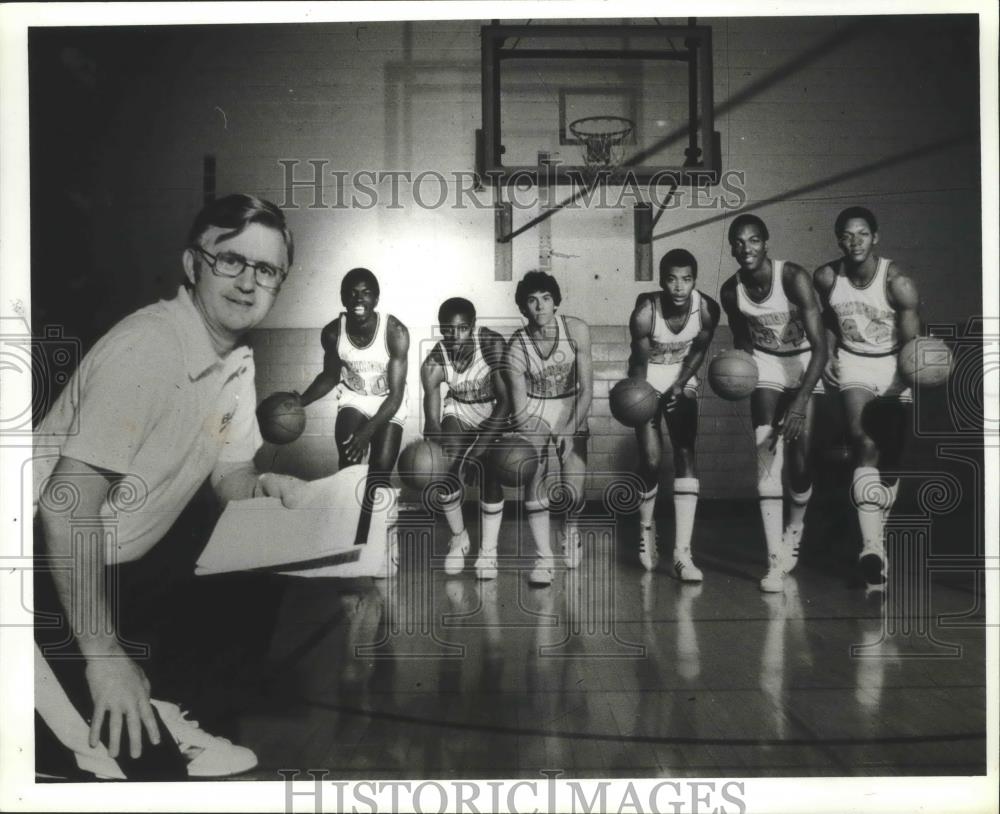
x,y
281,418
514,459
633,401
422,463
925,362
733,374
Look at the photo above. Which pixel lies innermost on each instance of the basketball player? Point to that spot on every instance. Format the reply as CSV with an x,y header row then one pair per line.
x,y
467,361
550,377
774,315
671,331
365,357
872,307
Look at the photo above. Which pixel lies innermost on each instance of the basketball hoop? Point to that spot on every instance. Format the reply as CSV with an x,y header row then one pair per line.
x,y
602,138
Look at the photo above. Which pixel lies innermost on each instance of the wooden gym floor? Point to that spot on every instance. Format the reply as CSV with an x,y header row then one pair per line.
x,y
613,672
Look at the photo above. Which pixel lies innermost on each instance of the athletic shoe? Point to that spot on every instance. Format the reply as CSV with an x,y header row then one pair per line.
x,y
685,569
790,541
774,580
455,561
572,546
486,565
649,554
208,755
874,568
541,574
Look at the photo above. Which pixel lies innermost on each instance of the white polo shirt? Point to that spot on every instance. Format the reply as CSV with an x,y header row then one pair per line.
x,y
154,402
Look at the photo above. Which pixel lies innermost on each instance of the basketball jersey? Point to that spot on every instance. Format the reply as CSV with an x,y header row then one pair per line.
x,y
365,369
472,385
666,346
775,324
867,320
552,376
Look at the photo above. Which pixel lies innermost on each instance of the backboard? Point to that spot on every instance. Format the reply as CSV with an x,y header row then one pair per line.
x,y
539,79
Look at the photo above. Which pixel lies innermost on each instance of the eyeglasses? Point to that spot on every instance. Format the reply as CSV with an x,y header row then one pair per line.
x,y
230,264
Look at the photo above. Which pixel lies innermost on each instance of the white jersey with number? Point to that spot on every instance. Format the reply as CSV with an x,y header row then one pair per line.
x,y
552,376
775,323
470,396
669,347
365,369
867,320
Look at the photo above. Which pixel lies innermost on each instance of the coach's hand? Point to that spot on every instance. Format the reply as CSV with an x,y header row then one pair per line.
x,y
120,691
290,490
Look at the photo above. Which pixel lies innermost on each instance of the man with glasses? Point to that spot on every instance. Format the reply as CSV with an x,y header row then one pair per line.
x,y
164,401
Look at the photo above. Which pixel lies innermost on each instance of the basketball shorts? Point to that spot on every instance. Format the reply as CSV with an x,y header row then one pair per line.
x,y
878,375
456,443
470,413
783,372
554,411
368,405
662,376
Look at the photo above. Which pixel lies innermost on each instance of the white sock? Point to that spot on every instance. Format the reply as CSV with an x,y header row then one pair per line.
x,y
491,515
647,505
893,494
769,488
538,522
869,497
451,505
685,504
799,502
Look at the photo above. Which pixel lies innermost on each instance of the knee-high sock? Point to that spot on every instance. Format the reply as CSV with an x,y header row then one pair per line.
x,y
538,522
769,487
893,493
451,505
799,502
870,498
685,504
491,515
647,505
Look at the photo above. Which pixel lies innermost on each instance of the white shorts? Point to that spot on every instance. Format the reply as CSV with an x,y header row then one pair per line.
x,y
878,375
368,405
662,376
552,412
783,372
470,413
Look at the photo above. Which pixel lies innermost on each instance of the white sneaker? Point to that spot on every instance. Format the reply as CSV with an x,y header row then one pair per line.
x,y
207,755
572,546
541,574
486,564
455,561
774,580
790,541
685,569
649,554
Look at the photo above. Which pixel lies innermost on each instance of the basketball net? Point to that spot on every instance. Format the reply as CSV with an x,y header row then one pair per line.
x,y
602,138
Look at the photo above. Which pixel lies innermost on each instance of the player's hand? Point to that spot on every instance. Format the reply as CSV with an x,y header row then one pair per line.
x,y
289,489
357,443
466,468
671,396
795,420
120,691
831,373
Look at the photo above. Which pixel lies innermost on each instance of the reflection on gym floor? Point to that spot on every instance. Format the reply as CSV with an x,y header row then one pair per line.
x,y
615,672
